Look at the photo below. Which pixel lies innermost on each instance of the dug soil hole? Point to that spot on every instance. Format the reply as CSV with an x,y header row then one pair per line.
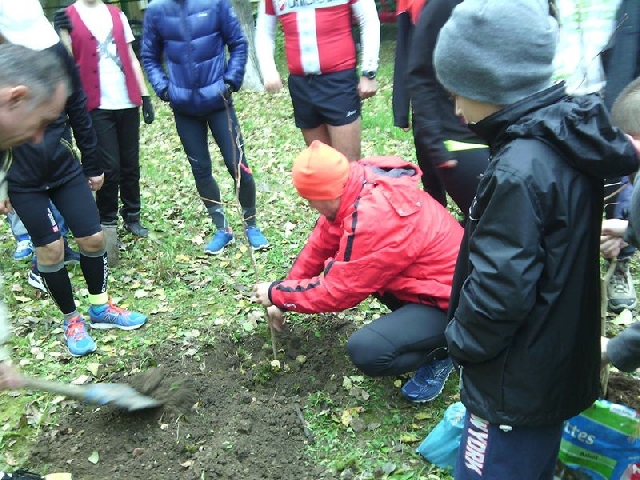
x,y
228,415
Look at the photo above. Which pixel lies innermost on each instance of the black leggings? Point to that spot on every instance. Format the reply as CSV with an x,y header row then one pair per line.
x,y
400,341
74,201
226,132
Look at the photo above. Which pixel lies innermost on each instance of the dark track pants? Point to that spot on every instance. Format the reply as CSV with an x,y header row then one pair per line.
x,y
226,133
400,341
489,452
118,134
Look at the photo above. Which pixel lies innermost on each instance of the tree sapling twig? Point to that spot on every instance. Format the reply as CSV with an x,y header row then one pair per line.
x,y
239,165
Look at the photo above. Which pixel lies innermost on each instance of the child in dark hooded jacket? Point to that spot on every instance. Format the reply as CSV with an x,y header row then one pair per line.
x,y
524,327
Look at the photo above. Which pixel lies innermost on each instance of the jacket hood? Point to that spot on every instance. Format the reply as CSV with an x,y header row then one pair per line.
x,y
578,127
399,178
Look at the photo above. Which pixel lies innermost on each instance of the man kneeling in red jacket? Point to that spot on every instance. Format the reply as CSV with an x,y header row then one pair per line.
x,y
378,234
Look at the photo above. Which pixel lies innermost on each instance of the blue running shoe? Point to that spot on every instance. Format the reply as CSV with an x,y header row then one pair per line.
x,y
257,239
24,248
221,239
79,342
428,381
71,257
109,315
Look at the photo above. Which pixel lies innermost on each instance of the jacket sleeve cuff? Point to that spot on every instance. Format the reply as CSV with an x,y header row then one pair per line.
x,y
91,166
273,284
271,287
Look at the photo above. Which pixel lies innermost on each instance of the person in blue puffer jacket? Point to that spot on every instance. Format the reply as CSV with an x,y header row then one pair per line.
x,y
189,37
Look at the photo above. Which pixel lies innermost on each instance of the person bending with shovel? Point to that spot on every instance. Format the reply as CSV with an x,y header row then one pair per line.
x,y
48,170
33,92
378,234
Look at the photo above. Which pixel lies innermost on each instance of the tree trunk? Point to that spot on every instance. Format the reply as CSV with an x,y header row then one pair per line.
x,y
252,77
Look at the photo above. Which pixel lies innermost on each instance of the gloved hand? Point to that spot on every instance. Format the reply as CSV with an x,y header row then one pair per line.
x,y
164,95
147,110
62,21
228,90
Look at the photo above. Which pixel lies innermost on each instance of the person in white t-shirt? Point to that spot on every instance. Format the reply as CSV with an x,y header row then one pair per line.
x,y
114,83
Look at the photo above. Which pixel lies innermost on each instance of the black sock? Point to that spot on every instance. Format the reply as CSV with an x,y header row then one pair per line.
x,y
59,287
94,269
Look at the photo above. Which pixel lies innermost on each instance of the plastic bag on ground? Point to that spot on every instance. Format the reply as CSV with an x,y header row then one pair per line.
x,y
442,444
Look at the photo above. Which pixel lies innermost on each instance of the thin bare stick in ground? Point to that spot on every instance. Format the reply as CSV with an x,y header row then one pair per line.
x,y
613,194
237,162
604,300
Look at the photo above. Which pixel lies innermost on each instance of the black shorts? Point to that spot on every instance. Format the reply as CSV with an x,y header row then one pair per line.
x,y
330,98
74,201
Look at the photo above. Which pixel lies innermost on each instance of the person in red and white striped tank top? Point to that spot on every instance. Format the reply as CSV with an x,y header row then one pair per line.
x,y
326,89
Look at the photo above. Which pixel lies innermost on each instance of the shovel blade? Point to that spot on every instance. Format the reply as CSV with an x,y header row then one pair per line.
x,y
120,395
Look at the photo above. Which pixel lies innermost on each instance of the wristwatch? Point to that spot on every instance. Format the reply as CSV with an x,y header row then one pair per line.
x,y
370,74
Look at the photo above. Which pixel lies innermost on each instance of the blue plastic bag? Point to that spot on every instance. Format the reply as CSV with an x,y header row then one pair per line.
x,y
442,444
603,442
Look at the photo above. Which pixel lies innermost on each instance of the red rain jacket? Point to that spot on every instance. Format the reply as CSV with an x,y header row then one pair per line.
x,y
388,237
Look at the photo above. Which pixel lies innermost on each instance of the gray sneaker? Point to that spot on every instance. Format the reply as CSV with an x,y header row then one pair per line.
x,y
620,290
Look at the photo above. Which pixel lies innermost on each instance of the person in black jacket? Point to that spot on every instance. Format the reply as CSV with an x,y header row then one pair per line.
x,y
33,90
49,171
450,155
623,350
524,327
621,64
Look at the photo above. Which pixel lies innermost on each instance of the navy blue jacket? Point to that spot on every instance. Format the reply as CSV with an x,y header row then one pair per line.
x,y
621,59
191,36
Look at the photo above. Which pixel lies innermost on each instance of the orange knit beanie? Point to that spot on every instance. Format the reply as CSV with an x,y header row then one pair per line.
x,y
320,172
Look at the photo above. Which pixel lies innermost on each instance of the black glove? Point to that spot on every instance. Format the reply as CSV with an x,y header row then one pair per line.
x,y
164,95
147,110
228,90
62,21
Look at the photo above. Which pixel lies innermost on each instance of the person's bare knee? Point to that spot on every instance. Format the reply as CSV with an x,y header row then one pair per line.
x,y
93,243
50,254
346,139
319,133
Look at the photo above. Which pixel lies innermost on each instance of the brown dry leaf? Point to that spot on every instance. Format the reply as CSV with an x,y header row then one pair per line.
x,y
94,457
423,416
10,460
140,293
58,476
349,414
409,438
625,317
81,380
